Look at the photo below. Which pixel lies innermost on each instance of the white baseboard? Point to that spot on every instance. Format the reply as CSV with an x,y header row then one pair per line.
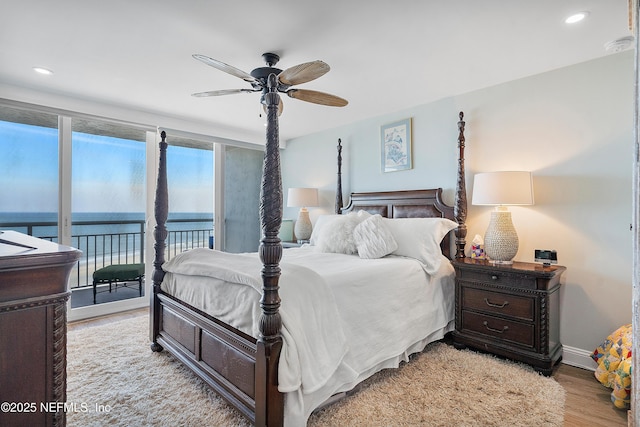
x,y
578,357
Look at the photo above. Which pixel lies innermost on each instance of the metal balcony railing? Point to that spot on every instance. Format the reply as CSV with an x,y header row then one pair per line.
x,y
125,246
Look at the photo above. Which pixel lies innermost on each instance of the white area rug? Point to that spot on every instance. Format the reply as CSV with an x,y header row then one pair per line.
x,y
113,378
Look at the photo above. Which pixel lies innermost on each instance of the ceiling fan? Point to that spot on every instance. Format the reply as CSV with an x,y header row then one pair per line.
x,y
258,79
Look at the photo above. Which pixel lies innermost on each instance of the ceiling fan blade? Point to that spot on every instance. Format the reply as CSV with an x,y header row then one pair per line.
x,y
225,67
303,73
280,108
223,92
317,97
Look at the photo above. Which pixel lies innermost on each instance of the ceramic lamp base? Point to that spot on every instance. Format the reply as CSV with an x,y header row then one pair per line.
x,y
501,240
302,228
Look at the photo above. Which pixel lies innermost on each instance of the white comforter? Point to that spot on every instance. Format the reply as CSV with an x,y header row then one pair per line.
x,y
344,318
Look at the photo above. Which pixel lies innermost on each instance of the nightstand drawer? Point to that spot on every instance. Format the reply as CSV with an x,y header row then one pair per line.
x,y
498,278
504,329
495,302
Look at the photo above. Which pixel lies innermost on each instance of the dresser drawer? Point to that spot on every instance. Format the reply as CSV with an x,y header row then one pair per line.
x,y
520,307
498,278
496,327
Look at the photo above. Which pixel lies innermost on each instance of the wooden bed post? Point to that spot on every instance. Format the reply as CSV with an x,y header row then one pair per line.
x,y
339,203
460,205
160,235
269,401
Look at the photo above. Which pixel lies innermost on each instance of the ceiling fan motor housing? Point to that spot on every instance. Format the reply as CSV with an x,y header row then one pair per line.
x,y
262,73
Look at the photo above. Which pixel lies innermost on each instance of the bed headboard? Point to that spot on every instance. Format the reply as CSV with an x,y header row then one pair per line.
x,y
417,203
406,204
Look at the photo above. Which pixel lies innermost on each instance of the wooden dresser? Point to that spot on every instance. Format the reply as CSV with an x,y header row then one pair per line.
x,y
33,329
509,310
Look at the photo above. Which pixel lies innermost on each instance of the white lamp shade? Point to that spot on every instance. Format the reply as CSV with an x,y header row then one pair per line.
x,y
302,197
503,188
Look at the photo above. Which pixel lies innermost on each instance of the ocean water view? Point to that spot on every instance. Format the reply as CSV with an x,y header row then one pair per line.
x,y
111,237
44,224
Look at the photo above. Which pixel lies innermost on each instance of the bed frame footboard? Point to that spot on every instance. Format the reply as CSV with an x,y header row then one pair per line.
x,y
224,359
237,366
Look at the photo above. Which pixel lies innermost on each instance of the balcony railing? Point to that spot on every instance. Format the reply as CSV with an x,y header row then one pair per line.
x,y
125,246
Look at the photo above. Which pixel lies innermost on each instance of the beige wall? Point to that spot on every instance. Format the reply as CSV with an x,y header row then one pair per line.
x,y
572,127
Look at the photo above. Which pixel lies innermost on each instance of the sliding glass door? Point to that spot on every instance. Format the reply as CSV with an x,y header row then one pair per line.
x,y
204,186
107,211
29,165
190,171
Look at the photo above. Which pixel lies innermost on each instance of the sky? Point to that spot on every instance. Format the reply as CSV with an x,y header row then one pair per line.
x,y
108,173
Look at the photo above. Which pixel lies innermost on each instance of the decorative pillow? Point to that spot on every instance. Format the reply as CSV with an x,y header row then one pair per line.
x,y
322,222
373,238
334,233
420,238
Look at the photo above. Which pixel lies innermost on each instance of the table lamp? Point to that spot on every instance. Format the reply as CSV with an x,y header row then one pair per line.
x,y
302,198
502,189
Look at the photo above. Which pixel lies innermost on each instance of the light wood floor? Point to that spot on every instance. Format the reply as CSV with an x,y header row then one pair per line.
x,y
588,403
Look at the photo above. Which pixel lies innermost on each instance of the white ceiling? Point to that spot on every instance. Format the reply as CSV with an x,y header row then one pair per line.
x,y
385,55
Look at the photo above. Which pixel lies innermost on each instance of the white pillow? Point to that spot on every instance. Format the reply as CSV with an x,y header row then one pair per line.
x,y
420,238
334,233
322,222
373,238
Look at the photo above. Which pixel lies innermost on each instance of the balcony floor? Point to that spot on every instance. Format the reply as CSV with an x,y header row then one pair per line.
x,y
83,297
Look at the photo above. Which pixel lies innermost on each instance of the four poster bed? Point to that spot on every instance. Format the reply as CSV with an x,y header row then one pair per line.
x,y
347,310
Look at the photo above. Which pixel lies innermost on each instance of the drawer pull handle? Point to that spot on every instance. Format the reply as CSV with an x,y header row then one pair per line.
x,y
494,277
492,304
498,331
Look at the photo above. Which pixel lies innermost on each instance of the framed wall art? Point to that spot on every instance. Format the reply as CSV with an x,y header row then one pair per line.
x,y
395,142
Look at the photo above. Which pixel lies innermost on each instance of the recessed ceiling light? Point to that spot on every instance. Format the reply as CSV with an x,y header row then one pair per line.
x,y
576,17
44,71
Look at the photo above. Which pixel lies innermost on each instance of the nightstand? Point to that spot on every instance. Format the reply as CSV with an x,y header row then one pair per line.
x,y
509,310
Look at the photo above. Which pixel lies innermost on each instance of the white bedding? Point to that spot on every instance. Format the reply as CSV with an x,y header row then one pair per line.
x,y
344,318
